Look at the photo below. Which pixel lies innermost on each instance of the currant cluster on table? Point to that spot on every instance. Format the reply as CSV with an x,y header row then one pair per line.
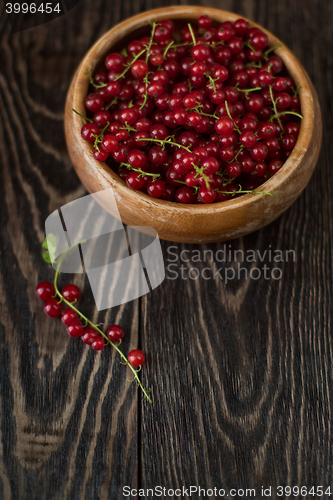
x,y
194,121
70,317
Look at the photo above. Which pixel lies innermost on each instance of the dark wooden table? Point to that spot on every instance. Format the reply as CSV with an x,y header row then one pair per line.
x,y
241,372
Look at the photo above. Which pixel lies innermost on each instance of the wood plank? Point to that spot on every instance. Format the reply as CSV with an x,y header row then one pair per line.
x,y
241,371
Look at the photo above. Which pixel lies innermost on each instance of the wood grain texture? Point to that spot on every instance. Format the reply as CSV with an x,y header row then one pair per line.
x,y
241,372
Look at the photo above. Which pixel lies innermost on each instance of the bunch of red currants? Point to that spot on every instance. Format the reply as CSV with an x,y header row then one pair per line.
x,y
70,317
196,116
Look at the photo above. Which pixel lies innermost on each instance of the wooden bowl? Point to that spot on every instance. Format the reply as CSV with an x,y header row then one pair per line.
x,y
193,223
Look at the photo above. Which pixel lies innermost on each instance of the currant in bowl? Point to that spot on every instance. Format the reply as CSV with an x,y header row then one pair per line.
x,y
193,223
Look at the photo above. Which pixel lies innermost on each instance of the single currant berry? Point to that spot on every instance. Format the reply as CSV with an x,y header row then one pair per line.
x,y
136,158
100,155
139,69
283,100
89,335
200,52
247,139
114,62
156,188
101,118
68,316
72,293
52,308
292,128
259,151
45,290
266,130
75,328
98,344
94,102
135,180
115,333
233,169
136,358
207,195
184,195
275,166
288,141
259,40
204,22
110,143
88,131
224,126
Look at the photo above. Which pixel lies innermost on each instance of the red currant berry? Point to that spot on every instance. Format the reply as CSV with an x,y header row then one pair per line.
x,y
156,188
248,139
114,62
52,308
136,158
135,180
88,131
136,358
288,141
184,195
224,126
139,69
115,333
72,293
207,195
98,344
233,169
89,335
275,166
204,22
45,290
259,151
94,102
110,143
100,155
75,328
68,316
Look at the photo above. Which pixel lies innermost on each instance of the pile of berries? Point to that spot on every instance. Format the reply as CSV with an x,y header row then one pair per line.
x,y
194,117
70,317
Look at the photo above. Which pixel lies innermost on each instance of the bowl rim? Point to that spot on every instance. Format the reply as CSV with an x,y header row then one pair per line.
x,y
114,35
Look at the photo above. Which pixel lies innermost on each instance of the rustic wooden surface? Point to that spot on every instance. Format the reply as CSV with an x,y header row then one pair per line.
x,y
241,373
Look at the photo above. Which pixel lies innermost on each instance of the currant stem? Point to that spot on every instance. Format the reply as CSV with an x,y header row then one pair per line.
x,y
276,114
150,41
108,341
142,172
227,109
291,113
167,48
162,143
84,117
130,64
271,50
192,34
91,80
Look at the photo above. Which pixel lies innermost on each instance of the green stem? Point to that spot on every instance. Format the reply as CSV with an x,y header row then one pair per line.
x,y
130,64
150,41
99,138
84,117
167,48
192,33
163,142
227,108
291,113
265,54
91,80
276,114
108,341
